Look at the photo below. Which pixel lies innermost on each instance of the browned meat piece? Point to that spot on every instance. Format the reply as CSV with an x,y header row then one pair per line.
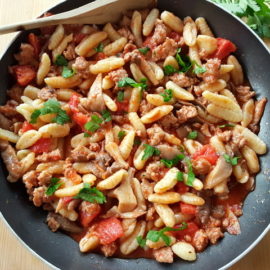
x,y
156,135
44,178
46,93
224,136
201,166
15,93
212,70
237,209
163,255
200,240
39,196
5,123
109,250
117,75
167,151
103,160
154,171
160,33
30,181
186,113
81,65
128,51
26,56
125,32
145,107
82,153
169,121
258,113
11,161
114,168
51,156
214,234
204,210
243,93
56,222
147,188
150,213
167,48
183,80
9,109
120,119
69,52
90,211
218,211
238,141
231,223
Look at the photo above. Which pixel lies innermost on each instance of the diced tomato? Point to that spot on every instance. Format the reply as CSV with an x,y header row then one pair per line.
x,y
182,188
207,152
108,230
74,102
80,119
43,145
191,229
224,48
122,106
24,74
34,41
100,56
175,36
26,126
67,200
88,212
149,43
79,37
188,208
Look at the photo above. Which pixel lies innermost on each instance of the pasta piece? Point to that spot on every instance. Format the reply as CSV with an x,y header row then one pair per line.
x,y
241,174
138,162
207,44
54,130
136,27
203,27
62,46
88,242
158,100
25,110
166,214
157,70
237,72
223,113
109,102
218,145
170,138
107,83
61,82
44,68
136,72
31,91
8,136
111,32
192,199
107,65
22,153
229,94
112,181
222,188
56,167
27,139
149,22
167,182
56,37
137,124
184,251
156,114
251,159
214,87
79,140
89,179
69,191
165,198
174,22
189,31
192,146
224,69
90,42
179,92
197,184
248,112
160,243
64,94
129,225
171,61
115,47
127,144
194,54
148,71
113,149
135,100
207,117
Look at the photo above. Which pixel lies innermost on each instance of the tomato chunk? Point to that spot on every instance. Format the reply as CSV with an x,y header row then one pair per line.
x,y
224,48
207,152
74,102
100,56
191,229
41,146
188,208
88,211
79,37
24,74
80,118
175,36
182,188
34,41
26,126
122,106
108,230
149,43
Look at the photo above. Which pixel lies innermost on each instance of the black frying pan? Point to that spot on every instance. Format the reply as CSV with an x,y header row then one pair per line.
x,y
27,221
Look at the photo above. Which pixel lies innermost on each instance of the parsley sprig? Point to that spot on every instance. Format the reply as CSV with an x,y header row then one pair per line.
x,y
100,47
121,134
167,95
130,82
190,173
231,160
92,195
150,151
54,185
192,135
49,107
144,50
169,70
169,163
183,61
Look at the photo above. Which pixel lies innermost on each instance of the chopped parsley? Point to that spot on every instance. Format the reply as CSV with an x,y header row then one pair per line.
x,y
144,50
169,70
192,135
167,95
226,125
49,107
141,241
100,47
120,96
190,173
172,162
130,82
199,69
92,195
180,176
61,60
183,61
121,135
94,124
54,185
137,141
67,72
231,160
106,115
150,151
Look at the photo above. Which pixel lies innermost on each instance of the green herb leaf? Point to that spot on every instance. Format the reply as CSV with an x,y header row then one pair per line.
x,y
199,69
67,72
150,151
167,95
190,173
49,107
86,135
137,141
92,195
183,61
61,60
130,82
180,176
100,47
121,134
192,135
226,125
94,124
141,241
120,96
106,115
232,160
169,70
54,185
172,162
144,50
